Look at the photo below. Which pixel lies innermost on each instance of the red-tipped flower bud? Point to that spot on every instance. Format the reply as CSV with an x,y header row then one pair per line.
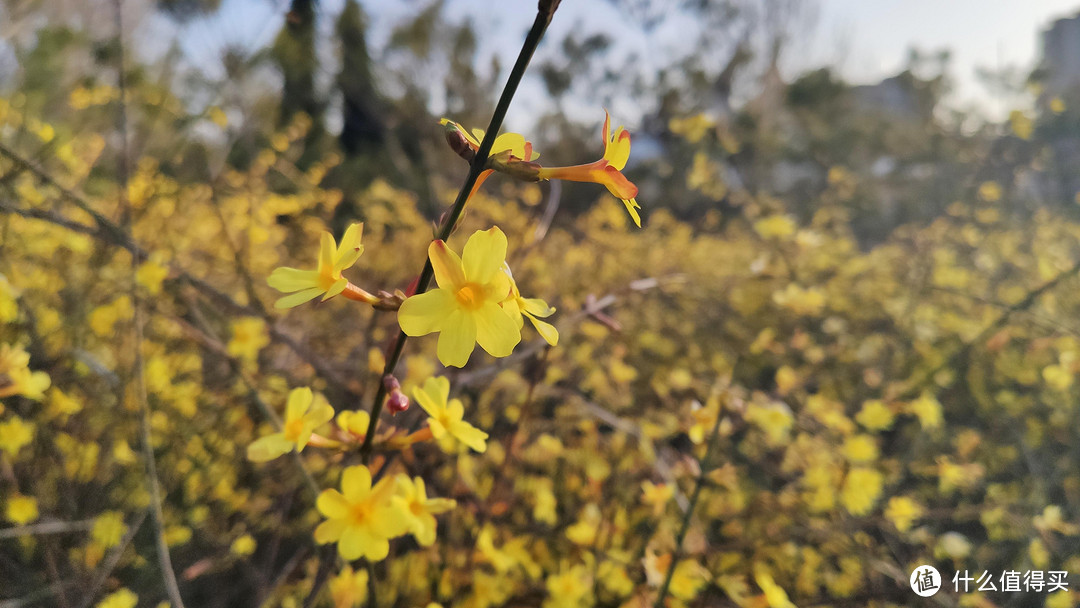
x,y
390,383
397,402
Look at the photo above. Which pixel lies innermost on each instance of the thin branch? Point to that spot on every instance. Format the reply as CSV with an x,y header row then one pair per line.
x,y
546,9
706,464
48,527
107,568
139,372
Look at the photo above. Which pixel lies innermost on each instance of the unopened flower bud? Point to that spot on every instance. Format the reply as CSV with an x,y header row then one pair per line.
x,y
516,168
397,402
390,383
459,143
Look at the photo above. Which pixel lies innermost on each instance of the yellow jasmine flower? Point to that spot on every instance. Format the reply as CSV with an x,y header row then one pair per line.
x,y
123,598
14,434
465,309
249,336
361,519
419,509
656,495
326,280
861,490
532,308
21,509
902,512
108,529
303,414
775,596
928,410
354,422
606,171
688,579
569,588
512,145
349,588
16,377
860,448
243,546
875,415
446,415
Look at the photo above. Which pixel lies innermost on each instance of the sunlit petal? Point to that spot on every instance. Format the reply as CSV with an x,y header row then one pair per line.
x,y
447,266
484,254
292,279
496,331
298,298
457,339
355,483
426,313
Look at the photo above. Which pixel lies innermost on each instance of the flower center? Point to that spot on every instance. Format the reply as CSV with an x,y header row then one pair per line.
x,y
470,296
416,507
360,513
293,428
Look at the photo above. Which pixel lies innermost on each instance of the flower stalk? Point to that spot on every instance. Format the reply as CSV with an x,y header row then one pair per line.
x,y
545,10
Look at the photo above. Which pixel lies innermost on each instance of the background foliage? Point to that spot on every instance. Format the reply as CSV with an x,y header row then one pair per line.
x,y
868,314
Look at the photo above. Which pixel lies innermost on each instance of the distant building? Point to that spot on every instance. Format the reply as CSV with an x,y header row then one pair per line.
x,y
1061,59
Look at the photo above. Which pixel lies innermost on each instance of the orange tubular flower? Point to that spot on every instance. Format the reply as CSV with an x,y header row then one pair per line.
x,y
606,171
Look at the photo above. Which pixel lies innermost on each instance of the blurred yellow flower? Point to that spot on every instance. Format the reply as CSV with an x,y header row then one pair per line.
x,y
326,280
656,496
446,415
902,512
569,588
243,546
419,509
123,598
249,336
349,588
875,415
860,449
15,434
361,519
151,275
108,529
775,596
928,410
304,413
862,486
21,509
16,377
465,308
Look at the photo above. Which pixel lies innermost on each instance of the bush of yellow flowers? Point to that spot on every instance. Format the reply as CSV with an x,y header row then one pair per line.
x,y
750,410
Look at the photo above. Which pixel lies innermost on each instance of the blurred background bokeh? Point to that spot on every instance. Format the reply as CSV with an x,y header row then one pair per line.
x,y
843,344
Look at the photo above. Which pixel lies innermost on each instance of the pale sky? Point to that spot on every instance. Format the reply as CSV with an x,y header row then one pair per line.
x,y
867,40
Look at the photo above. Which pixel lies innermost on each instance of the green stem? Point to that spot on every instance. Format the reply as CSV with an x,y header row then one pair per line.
x,y
532,40
699,484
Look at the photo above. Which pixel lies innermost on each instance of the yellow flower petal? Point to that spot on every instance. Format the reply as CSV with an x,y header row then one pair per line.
x,y
447,266
335,289
457,339
292,279
267,448
546,330
496,331
484,255
332,504
327,252
299,402
355,483
329,531
298,298
426,313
